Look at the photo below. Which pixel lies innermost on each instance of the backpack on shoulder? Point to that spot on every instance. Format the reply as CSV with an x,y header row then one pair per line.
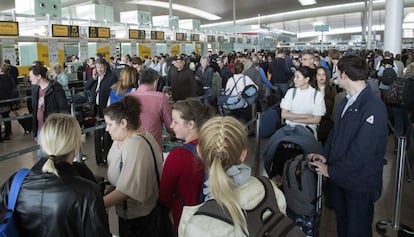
x,y
394,95
408,94
241,99
258,222
8,227
388,76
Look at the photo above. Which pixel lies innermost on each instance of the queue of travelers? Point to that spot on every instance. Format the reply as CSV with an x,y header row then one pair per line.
x,y
325,92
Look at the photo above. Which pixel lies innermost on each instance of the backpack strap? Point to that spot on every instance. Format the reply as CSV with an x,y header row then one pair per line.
x,y
15,188
212,209
235,85
314,94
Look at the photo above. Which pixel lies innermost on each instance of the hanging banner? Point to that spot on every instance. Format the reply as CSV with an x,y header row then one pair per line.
x,y
53,51
83,50
175,49
145,50
112,48
198,49
103,48
133,48
8,51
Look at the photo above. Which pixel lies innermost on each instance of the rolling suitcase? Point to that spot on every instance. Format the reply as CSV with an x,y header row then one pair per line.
x,y
103,143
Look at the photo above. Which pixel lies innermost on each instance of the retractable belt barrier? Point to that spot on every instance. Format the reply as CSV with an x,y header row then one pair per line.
x,y
393,227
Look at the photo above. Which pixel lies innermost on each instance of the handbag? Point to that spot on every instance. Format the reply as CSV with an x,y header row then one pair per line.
x,y
160,213
8,227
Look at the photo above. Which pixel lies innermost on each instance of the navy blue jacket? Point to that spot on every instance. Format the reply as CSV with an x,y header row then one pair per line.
x,y
356,147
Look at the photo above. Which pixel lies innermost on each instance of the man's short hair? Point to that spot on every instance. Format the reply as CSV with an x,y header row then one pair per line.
x,y
137,61
39,70
354,67
148,76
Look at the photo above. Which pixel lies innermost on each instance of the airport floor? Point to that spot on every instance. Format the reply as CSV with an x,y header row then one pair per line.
x,y
384,207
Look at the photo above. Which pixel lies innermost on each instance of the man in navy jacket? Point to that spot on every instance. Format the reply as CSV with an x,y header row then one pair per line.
x,y
355,150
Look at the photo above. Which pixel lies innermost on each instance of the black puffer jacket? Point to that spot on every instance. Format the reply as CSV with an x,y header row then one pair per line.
x,y
64,206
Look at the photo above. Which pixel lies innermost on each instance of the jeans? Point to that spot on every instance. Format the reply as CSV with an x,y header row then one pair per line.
x,y
354,211
206,98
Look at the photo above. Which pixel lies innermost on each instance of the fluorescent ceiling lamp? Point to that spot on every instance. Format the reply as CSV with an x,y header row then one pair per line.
x,y
178,7
307,2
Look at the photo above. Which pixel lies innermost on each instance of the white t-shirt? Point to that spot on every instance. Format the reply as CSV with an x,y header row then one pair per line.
x,y
304,102
240,85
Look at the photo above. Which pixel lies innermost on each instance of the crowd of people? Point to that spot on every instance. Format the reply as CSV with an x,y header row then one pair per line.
x,y
328,93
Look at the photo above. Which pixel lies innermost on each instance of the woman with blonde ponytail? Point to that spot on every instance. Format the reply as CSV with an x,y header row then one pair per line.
x,y
223,147
56,198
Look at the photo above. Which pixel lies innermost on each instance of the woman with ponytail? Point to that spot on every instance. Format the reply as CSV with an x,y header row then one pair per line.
x,y
131,169
56,198
223,147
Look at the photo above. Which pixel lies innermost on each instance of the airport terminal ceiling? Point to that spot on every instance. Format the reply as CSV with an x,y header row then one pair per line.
x,y
221,8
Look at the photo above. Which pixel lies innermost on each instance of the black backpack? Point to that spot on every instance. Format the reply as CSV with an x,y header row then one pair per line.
x,y
408,94
274,225
388,76
299,185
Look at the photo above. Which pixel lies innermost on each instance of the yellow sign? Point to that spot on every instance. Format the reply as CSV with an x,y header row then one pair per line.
x,y
144,50
99,32
74,31
175,49
60,30
104,32
157,35
9,28
137,34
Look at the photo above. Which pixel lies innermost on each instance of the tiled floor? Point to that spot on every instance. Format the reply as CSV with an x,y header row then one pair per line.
x,y
383,208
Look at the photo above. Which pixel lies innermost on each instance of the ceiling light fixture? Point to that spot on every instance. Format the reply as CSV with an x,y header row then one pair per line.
x,y
307,2
178,7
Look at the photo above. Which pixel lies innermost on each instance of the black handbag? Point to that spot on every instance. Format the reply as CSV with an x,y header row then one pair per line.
x,y
160,213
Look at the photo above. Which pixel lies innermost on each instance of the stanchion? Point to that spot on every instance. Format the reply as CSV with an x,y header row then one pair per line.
x,y
394,227
257,158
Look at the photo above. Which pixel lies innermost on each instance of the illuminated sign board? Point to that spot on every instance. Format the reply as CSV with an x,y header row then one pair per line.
x,y
9,28
99,32
137,34
157,35
195,37
181,36
65,30
211,38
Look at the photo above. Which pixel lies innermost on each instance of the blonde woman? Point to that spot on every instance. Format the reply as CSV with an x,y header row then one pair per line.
x,y
56,199
223,147
127,83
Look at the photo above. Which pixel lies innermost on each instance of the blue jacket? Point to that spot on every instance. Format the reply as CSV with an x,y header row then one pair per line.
x,y
356,147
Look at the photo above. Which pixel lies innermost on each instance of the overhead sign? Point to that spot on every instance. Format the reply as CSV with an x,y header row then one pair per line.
x,y
99,32
60,30
74,31
180,36
195,37
322,28
211,38
157,35
137,34
9,28
65,30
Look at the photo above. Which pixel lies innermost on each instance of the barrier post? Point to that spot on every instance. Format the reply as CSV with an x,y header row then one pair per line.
x,y
394,227
257,160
